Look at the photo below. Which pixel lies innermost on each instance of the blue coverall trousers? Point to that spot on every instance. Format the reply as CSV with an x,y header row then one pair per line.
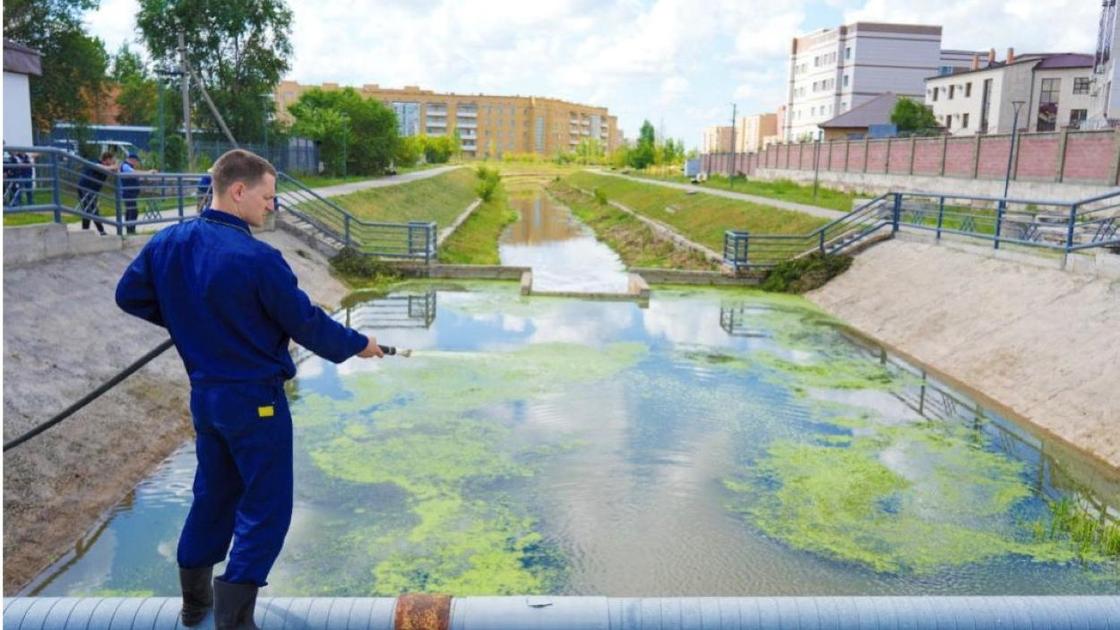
x,y
243,485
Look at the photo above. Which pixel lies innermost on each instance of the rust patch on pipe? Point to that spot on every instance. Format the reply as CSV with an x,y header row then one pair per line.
x,y
418,611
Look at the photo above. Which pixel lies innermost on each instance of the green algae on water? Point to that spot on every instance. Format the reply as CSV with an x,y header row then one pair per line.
x,y
906,501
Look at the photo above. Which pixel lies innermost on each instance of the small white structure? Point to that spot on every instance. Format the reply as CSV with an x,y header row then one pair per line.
x,y
20,63
1055,90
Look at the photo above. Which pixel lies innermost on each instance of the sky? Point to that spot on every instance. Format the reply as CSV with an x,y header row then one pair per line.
x,y
678,63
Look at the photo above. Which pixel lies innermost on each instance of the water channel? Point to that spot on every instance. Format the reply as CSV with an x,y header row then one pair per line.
x,y
717,442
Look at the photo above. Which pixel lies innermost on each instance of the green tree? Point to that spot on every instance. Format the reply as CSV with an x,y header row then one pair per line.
x,y
408,151
370,132
240,50
327,126
590,151
73,63
910,115
645,152
137,99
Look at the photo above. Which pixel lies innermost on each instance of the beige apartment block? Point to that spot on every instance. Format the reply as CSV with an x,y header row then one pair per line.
x,y
487,125
717,139
751,132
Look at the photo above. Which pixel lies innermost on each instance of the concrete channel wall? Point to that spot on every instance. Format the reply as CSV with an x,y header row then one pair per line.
x,y
1042,341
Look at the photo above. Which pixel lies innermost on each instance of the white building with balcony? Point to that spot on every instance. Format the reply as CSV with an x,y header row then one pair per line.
x,y
834,70
1054,89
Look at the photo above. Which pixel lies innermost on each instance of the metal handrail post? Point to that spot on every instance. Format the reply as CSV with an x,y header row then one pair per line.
x,y
346,229
940,216
896,213
1000,208
117,201
181,203
1069,233
56,188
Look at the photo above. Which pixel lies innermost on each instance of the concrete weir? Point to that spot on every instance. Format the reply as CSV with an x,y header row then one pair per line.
x,y
590,613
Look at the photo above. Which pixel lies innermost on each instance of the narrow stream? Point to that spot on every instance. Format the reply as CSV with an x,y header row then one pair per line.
x,y
564,253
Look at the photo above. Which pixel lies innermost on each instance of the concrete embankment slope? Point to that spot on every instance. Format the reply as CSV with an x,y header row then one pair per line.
x,y
64,336
1045,343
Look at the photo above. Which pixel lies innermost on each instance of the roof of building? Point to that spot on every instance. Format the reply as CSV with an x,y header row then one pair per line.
x,y
873,112
1066,60
21,59
1042,61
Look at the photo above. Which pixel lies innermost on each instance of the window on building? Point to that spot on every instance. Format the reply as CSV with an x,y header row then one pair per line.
x,y
952,90
848,52
1081,85
1048,104
949,122
944,70
935,91
845,80
968,89
964,121
1076,117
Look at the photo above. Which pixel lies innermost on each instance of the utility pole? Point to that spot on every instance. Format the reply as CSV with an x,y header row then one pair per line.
x,y
731,170
183,67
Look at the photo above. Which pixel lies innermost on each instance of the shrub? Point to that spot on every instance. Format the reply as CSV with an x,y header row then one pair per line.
x,y
805,273
351,262
600,197
488,182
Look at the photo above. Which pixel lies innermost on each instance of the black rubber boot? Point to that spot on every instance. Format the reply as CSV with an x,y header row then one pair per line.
x,y
198,595
233,605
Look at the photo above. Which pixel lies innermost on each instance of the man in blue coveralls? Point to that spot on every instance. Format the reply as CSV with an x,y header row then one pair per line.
x,y
231,304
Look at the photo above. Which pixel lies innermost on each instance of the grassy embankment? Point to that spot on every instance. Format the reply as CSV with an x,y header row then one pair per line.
x,y
320,181
781,189
634,241
698,217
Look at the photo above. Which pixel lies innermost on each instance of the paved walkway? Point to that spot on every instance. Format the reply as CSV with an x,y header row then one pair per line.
x,y
381,182
826,213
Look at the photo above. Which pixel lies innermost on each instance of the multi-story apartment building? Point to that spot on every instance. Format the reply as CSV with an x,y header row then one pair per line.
x,y
1053,89
487,125
717,139
836,69
750,132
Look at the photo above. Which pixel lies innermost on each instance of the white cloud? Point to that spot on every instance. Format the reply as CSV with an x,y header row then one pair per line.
x,y
663,60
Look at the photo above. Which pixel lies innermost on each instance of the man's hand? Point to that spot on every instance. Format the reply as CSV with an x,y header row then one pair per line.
x,y
371,350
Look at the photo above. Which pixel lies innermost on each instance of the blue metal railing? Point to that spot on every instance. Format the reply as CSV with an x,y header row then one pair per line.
x,y
66,187
414,240
1061,226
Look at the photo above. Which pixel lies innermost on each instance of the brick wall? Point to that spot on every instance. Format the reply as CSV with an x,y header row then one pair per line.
x,y
1085,157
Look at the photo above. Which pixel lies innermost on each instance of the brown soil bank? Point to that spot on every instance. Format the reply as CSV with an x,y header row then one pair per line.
x,y
64,336
1043,342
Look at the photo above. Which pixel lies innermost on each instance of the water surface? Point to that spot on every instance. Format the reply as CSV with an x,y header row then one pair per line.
x,y
715,443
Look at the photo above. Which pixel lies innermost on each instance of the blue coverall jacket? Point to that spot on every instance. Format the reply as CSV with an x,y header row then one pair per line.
x,y
231,304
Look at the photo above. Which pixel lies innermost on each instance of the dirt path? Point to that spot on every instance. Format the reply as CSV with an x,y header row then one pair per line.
x,y
64,336
1044,342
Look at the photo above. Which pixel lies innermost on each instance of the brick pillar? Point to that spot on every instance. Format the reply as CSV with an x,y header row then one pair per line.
x,y
1062,142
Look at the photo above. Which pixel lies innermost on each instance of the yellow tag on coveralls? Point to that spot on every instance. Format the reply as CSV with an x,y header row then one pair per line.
x,y
265,411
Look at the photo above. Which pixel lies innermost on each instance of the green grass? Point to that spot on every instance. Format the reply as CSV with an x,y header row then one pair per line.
x,y
781,189
633,240
701,218
476,240
441,199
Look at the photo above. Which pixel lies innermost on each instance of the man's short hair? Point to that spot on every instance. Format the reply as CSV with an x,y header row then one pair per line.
x,y
239,165
108,155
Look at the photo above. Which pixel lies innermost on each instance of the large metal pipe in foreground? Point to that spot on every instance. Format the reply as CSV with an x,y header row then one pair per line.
x,y
419,612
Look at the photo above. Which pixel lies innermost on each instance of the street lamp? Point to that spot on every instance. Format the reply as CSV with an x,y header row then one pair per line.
x,y
1018,105
1002,208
